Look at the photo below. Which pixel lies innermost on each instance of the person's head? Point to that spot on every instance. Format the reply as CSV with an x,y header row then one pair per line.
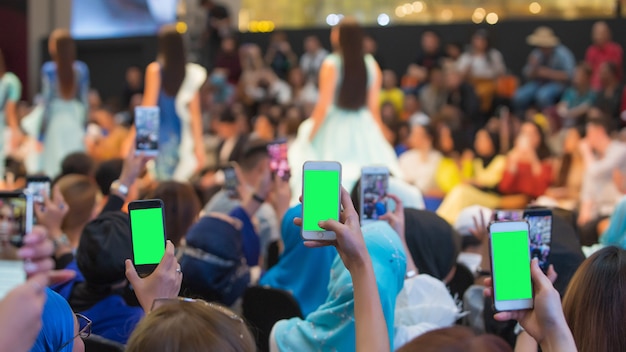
x,y
600,33
435,77
171,55
369,45
595,302
454,50
349,37
63,51
486,144
134,77
422,137
191,326
453,79
78,163
445,138
81,196
61,331
480,41
390,80
388,113
3,67
182,208
208,4
226,124
296,78
266,127
582,76
107,172
411,104
608,73
312,44
430,42
543,38
572,138
598,132
531,133
251,57
255,160
456,339
229,45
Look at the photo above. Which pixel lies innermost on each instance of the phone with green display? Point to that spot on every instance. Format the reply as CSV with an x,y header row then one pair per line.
x,y
510,265
321,198
147,226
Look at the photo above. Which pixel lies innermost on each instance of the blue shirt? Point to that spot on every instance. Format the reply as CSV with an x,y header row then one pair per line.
x,y
561,59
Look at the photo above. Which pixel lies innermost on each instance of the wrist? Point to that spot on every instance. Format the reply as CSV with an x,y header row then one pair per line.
x,y
558,339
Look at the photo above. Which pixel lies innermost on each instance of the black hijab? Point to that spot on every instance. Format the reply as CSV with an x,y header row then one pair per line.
x,y
433,243
495,141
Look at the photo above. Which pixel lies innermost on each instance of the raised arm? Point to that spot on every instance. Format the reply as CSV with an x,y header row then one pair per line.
x,y
373,96
328,77
152,85
196,130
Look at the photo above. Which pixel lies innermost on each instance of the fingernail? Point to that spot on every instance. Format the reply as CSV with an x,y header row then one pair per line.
x,y
26,252
30,267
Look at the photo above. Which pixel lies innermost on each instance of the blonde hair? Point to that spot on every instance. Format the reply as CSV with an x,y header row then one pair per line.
x,y
191,327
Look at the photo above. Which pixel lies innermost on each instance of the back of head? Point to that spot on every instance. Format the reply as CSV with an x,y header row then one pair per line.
x,y
595,302
456,339
254,152
3,67
108,172
104,246
353,90
172,58
182,208
64,56
191,327
77,163
81,195
58,325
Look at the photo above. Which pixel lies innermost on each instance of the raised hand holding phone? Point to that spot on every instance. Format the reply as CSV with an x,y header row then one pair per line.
x,y
147,124
147,223
321,189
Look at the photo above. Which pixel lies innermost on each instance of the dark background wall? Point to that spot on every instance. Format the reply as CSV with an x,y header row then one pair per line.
x,y
397,46
13,38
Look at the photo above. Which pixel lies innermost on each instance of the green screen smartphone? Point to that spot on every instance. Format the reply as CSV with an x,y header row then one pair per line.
x,y
510,265
321,198
147,226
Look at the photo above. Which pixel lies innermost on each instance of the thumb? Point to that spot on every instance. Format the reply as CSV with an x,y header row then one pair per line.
x,y
540,280
331,225
61,276
386,217
131,273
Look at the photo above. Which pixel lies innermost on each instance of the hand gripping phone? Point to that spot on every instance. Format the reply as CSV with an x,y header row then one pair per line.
x,y
147,224
321,198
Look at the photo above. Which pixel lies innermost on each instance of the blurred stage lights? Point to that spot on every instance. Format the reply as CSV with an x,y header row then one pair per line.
x,y
410,8
446,14
479,15
181,27
383,19
534,8
261,26
492,18
333,19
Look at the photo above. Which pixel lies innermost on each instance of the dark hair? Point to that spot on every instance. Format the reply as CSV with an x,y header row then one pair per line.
x,y
353,91
173,59
182,208
254,151
3,67
78,163
604,122
456,339
64,59
107,172
583,65
595,302
543,150
613,68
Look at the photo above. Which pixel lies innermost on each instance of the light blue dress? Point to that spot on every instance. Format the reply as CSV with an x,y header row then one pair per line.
x,y
10,90
64,120
350,137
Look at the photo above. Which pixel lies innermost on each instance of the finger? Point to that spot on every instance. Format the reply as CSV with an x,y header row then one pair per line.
x,y
131,273
297,221
36,236
488,292
317,244
346,201
506,316
331,225
39,283
398,201
58,197
386,217
552,274
300,199
477,229
488,282
58,277
483,226
540,280
168,262
38,267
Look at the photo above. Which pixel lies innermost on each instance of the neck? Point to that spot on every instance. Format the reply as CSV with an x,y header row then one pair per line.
x,y
74,236
249,179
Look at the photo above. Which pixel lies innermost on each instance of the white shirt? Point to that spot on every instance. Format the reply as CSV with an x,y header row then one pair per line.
x,y
418,172
488,66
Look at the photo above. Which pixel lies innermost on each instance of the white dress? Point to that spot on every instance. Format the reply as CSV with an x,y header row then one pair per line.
x,y
350,137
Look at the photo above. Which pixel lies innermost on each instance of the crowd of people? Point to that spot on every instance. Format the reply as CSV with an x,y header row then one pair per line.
x,y
460,134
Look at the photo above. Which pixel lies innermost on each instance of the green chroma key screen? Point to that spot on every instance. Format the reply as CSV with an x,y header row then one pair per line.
x,y
321,198
148,235
511,257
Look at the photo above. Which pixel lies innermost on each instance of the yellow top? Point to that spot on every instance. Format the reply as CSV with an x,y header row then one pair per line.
x,y
450,175
395,96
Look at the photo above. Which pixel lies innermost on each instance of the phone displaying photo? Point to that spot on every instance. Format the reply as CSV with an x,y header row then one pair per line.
x,y
147,126
509,215
278,159
510,265
540,234
16,219
39,187
374,188
231,182
147,225
321,198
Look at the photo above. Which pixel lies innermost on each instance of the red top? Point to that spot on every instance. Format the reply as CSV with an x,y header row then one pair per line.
x,y
523,181
596,55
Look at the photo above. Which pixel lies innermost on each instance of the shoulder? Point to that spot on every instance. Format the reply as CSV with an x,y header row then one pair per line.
x,y
11,79
48,67
153,67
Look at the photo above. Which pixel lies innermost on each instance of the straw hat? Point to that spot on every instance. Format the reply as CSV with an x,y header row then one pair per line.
x,y
543,37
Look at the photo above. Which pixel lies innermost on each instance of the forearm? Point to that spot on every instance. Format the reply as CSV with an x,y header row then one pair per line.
x,y
11,115
560,340
525,343
557,75
370,324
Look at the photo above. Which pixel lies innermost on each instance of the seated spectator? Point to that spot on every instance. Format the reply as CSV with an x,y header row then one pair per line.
x,y
279,56
456,339
402,131
455,164
265,127
548,71
105,138
297,264
311,60
419,164
481,65
609,97
453,52
601,156
429,56
462,101
133,85
577,99
593,304
222,91
213,263
412,111
303,93
603,49
252,65
370,46
180,325
389,118
182,209
390,91
62,331
228,59
232,139
433,95
269,87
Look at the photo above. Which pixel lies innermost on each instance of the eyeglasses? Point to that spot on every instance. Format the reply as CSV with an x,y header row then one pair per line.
x,y
84,329
182,300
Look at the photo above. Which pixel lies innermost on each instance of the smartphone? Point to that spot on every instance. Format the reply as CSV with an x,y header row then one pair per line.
x,y
278,159
147,123
231,182
540,234
374,187
39,187
321,198
16,220
510,265
509,215
147,226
